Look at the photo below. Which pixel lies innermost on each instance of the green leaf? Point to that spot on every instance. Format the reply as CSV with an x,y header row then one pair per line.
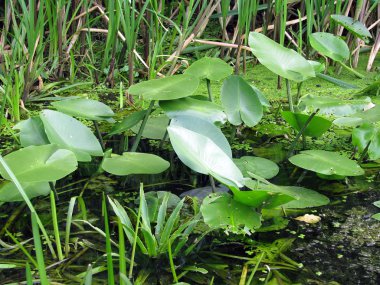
x,y
213,69
168,88
85,108
329,45
370,116
241,102
197,108
354,26
264,101
317,66
280,60
69,133
363,135
262,167
40,163
326,162
305,198
376,216
127,123
204,128
9,192
32,132
220,211
316,127
202,155
134,163
155,128
333,106
377,204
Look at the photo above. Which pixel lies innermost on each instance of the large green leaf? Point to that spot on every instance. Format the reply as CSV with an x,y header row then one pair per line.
x,y
40,163
127,123
305,198
10,193
241,102
155,128
262,167
363,135
334,106
316,127
69,133
370,116
280,60
329,45
196,108
168,88
85,108
204,128
32,132
220,211
202,155
326,162
354,26
134,163
210,68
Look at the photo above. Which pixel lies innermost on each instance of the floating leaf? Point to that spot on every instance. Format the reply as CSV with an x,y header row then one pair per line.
x,y
69,133
210,68
367,133
280,60
305,198
155,128
241,102
354,26
127,123
334,106
10,193
221,211
316,127
326,162
204,128
168,88
85,108
32,132
262,167
329,45
197,108
202,155
134,163
40,163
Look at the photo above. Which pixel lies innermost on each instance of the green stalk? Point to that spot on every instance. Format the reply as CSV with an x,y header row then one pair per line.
x,y
364,153
99,134
255,269
357,74
122,261
172,266
130,275
290,99
39,251
28,273
55,225
111,277
23,249
28,203
139,134
68,225
208,82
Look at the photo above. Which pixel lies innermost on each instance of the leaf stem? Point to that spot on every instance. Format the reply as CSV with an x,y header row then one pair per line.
x,y
357,74
290,99
208,82
142,127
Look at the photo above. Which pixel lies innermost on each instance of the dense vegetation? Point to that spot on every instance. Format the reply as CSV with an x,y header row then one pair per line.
x,y
189,142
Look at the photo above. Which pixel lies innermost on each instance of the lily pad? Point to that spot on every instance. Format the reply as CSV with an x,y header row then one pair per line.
x,y
69,133
134,163
168,88
326,162
32,132
197,108
85,108
330,45
354,26
262,167
211,68
10,193
334,106
40,163
220,211
316,127
202,155
280,60
241,102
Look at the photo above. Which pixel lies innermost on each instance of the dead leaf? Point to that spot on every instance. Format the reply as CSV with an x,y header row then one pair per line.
x,y
310,219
